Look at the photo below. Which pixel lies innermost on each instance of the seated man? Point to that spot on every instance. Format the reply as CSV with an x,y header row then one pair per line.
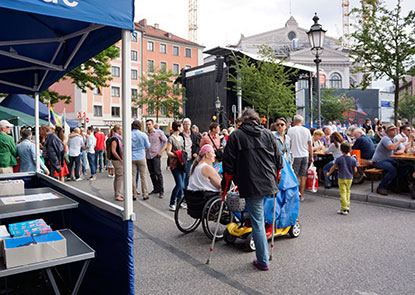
x,y
381,159
405,132
364,145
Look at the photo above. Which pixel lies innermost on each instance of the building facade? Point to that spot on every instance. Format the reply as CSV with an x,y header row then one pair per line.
x,y
291,43
151,49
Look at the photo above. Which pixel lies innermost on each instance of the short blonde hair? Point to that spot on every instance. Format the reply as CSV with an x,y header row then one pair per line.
x,y
318,132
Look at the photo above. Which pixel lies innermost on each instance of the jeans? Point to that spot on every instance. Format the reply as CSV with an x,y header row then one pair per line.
x,y
255,206
83,162
99,154
186,179
326,169
77,161
391,172
91,161
155,174
177,192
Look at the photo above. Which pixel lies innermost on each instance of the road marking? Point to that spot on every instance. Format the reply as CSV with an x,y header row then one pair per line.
x,y
145,204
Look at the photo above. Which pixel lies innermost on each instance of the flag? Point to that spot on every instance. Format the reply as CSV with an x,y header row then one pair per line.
x,y
99,89
55,119
66,128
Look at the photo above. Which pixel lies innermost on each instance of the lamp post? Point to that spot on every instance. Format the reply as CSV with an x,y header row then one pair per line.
x,y
217,106
316,37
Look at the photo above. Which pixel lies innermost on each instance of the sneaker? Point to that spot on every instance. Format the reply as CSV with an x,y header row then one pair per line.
x,y
343,212
260,266
161,195
301,198
111,175
172,207
153,192
183,206
78,179
93,177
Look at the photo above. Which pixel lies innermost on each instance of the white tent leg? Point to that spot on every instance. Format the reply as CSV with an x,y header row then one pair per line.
x,y
37,131
126,124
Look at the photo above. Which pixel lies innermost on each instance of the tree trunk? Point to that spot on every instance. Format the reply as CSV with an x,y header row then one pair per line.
x,y
396,101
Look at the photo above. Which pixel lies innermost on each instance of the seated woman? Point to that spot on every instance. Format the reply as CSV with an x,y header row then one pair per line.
x,y
203,177
336,140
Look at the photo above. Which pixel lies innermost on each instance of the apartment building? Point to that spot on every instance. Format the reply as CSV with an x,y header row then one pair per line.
x,y
151,49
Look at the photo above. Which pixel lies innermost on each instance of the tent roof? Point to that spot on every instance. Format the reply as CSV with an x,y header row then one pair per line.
x,y
18,118
26,104
47,39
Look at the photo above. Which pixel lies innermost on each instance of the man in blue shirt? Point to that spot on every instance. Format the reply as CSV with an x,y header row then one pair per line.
x,y
381,159
364,145
27,154
139,143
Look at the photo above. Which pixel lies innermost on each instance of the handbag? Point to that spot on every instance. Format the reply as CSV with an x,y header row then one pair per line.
x,y
312,179
218,152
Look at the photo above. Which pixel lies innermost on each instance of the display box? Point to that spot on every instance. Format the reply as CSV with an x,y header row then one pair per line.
x,y
32,249
11,187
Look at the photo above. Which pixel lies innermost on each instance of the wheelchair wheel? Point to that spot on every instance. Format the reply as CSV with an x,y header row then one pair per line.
x,y
210,218
184,222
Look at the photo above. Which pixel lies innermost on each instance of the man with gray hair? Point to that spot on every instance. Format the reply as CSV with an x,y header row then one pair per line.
x,y
302,151
365,145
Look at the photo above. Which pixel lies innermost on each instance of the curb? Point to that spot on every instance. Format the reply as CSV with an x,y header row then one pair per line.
x,y
393,200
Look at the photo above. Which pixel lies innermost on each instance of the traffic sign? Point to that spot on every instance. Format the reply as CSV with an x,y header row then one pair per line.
x,y
322,79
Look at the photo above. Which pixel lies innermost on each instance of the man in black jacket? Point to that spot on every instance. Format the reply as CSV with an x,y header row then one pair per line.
x,y
253,159
54,149
191,143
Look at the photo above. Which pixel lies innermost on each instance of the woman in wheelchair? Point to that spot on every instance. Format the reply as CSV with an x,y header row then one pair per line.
x,y
203,177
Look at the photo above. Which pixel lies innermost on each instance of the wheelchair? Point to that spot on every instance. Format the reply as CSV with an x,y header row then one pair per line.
x,y
201,207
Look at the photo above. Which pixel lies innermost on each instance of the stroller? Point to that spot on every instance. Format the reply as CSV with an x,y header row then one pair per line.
x,y
286,212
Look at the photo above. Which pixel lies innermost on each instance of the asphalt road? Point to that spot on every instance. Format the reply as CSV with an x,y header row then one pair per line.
x,y
370,251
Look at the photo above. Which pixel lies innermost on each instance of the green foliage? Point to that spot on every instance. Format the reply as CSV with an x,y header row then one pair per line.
x,y
94,72
160,93
406,107
383,43
333,106
265,84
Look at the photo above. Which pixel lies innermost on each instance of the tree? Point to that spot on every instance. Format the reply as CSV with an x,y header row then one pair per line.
x,y
161,94
333,106
406,107
93,73
384,44
266,84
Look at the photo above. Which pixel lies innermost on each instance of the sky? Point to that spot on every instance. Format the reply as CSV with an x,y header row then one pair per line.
x,y
221,22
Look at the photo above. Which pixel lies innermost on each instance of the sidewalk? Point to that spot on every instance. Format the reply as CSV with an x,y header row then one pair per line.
x,y
361,192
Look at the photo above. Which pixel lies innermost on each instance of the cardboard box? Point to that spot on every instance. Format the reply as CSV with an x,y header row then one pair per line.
x,y
11,187
26,250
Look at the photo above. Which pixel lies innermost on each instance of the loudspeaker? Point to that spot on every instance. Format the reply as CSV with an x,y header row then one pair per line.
x,y
219,69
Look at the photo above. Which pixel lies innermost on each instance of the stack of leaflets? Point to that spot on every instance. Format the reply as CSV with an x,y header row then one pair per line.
x,y
28,228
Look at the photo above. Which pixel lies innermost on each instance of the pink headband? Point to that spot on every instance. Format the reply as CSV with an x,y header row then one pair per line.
x,y
205,149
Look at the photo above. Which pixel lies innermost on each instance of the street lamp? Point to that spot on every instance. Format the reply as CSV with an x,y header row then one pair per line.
x,y
316,38
217,106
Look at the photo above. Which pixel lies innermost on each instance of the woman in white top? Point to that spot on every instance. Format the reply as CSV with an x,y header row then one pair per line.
x,y
336,140
203,177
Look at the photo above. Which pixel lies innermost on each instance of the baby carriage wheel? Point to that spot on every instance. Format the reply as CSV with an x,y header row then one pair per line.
x,y
295,230
184,222
249,243
210,217
228,238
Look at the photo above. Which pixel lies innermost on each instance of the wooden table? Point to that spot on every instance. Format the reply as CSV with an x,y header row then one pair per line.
x,y
321,153
405,156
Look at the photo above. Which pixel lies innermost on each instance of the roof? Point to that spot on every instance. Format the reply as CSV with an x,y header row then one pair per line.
x,y
152,31
225,51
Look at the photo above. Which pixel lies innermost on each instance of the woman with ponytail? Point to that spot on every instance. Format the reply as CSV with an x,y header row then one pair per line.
x,y
203,177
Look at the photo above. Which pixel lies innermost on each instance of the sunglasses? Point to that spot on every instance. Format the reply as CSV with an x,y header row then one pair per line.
x,y
280,124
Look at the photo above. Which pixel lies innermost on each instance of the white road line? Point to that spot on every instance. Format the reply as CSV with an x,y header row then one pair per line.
x,y
145,204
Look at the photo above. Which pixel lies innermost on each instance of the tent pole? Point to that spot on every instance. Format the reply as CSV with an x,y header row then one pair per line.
x,y
126,124
37,149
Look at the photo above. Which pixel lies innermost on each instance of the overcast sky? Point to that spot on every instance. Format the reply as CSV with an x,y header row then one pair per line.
x,y
221,22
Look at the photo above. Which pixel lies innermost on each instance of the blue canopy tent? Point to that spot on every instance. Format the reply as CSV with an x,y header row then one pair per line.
x,y
40,41
24,104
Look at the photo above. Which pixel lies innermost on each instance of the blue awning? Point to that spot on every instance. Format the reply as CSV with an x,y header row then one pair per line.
x,y
48,38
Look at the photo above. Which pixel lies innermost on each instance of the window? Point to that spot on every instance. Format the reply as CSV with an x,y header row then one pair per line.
x,y
164,110
150,46
134,75
115,71
119,51
176,68
115,111
150,86
163,66
98,111
176,89
163,48
188,52
134,94
96,90
134,112
150,66
115,91
335,80
150,108
134,55
176,50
